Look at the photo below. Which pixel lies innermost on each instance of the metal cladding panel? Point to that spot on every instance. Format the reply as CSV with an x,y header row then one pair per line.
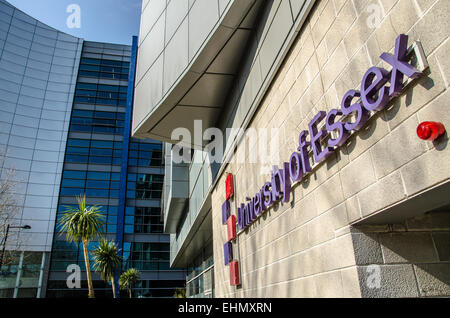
x,y
38,68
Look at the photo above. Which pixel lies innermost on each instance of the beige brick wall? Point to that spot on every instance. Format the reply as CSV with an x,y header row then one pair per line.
x,y
305,248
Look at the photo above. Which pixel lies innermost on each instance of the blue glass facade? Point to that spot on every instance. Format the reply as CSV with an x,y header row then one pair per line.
x,y
122,175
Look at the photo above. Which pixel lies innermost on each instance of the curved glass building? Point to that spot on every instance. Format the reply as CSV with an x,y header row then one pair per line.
x,y
65,121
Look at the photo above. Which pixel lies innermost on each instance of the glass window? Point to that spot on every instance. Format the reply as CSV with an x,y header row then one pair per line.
x,y
87,86
112,210
80,128
98,175
86,67
108,88
149,147
115,185
71,191
113,193
97,193
107,115
76,159
88,73
78,143
86,60
82,113
101,144
81,92
72,183
81,121
101,152
77,151
97,184
74,174
104,101
100,160
110,62
103,129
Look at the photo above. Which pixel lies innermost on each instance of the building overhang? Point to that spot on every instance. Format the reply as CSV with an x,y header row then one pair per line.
x,y
435,198
201,91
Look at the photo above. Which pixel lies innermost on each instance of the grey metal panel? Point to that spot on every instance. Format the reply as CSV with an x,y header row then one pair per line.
x,y
222,5
150,14
225,62
234,16
296,6
275,37
176,56
203,16
46,83
176,11
209,90
151,48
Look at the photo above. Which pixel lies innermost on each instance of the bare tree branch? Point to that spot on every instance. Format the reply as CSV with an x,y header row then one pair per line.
x,y
8,209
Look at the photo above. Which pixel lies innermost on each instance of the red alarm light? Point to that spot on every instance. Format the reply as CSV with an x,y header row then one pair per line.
x,y
430,130
229,186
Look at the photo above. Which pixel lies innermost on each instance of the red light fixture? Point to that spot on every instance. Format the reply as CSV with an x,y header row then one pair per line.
x,y
430,130
229,186
234,273
231,228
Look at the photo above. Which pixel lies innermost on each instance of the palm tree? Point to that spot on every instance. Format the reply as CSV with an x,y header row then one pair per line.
x,y
128,279
83,224
106,261
180,293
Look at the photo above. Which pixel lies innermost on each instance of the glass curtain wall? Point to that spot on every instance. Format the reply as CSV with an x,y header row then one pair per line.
x,y
93,164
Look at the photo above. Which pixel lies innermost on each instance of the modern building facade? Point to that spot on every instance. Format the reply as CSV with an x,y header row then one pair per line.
x,y
342,198
66,122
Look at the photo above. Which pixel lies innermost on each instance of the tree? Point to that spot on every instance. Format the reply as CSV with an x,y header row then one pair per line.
x,y
83,224
180,293
8,209
128,279
106,261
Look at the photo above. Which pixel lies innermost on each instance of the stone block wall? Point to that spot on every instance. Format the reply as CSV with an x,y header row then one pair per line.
x,y
308,248
405,260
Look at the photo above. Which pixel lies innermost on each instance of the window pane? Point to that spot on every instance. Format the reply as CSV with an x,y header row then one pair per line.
x,y
74,174
97,184
76,158
72,183
100,160
71,191
78,143
101,144
98,175
108,88
85,60
101,152
82,113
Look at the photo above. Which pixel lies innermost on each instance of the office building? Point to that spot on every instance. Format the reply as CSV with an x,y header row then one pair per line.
x,y
324,185
65,127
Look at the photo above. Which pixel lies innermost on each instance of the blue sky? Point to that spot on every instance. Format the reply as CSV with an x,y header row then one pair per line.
x,y
114,21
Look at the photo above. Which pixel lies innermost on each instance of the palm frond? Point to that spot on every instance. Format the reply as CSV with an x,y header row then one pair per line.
x,y
82,222
106,259
129,278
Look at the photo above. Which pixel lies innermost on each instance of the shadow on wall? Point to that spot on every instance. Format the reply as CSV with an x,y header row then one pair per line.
x,y
405,260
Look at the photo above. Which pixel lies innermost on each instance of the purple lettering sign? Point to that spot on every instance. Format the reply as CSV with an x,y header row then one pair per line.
x,y
374,96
